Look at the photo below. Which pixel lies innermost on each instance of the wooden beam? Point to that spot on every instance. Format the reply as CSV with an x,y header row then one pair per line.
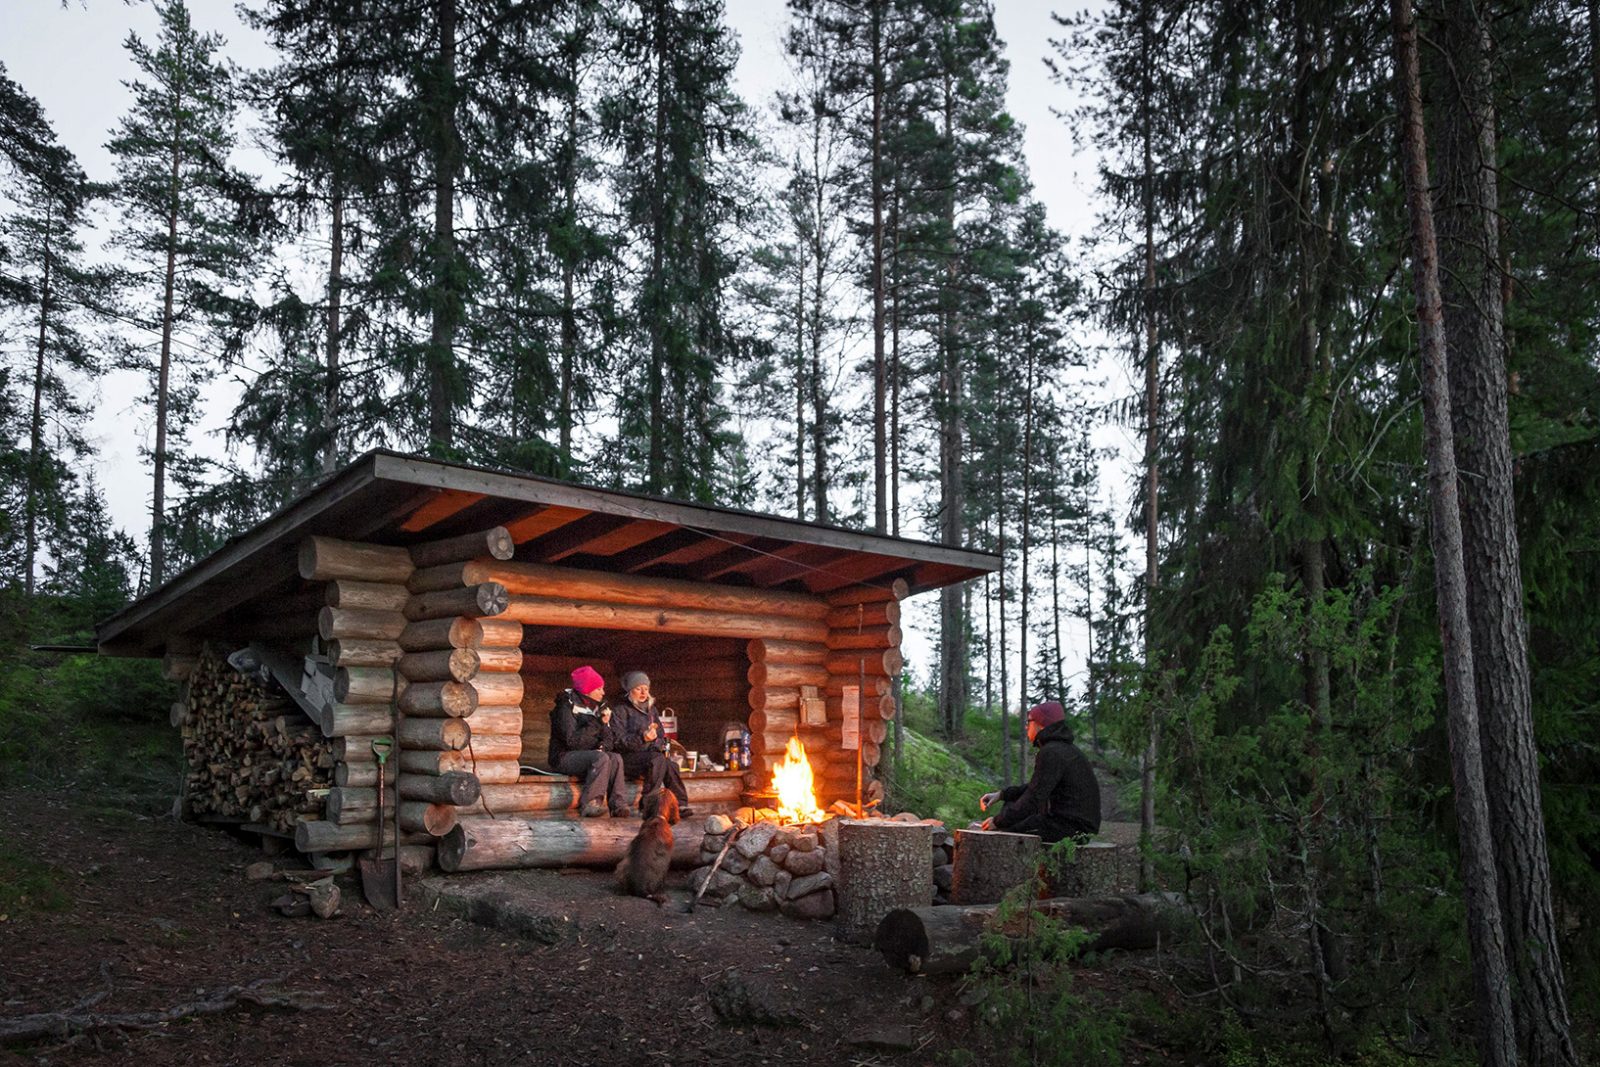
x,y
540,521
572,537
733,557
795,561
445,503
873,569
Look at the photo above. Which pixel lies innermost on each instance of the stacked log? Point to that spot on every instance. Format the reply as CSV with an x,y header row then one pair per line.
x,y
252,755
863,657
462,664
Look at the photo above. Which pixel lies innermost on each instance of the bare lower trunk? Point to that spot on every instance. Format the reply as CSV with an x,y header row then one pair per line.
x,y
158,505
1152,413
1496,1038
446,301
330,385
880,516
36,422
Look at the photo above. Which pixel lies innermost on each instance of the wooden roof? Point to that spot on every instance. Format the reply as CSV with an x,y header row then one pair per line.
x,y
391,498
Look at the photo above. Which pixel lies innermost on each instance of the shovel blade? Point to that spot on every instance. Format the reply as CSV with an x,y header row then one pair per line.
x,y
377,883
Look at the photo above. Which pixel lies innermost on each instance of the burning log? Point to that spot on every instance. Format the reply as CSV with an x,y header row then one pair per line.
x,y
950,939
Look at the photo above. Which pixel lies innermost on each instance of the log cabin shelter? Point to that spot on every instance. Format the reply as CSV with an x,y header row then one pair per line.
x,y
445,605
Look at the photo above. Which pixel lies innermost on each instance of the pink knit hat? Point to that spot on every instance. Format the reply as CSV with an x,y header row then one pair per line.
x,y
586,680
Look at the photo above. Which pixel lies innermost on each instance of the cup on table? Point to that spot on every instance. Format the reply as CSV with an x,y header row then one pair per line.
x,y
691,761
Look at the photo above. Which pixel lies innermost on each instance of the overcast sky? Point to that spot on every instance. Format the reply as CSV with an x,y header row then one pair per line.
x,y
71,57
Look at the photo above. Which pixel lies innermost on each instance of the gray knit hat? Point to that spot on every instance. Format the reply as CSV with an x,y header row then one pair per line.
x,y
634,678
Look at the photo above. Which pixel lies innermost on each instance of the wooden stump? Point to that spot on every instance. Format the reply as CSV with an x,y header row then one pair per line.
x,y
1099,868
883,866
989,862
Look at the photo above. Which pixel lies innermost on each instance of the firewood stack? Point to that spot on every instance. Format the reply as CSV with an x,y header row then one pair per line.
x,y
252,755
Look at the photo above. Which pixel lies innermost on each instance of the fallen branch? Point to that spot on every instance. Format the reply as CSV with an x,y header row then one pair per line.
x,y
61,1025
715,866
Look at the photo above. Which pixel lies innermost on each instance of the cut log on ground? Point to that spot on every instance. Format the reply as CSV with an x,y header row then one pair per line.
x,y
510,843
883,866
990,862
949,939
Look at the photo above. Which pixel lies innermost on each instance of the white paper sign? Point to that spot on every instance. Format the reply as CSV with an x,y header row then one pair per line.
x,y
850,730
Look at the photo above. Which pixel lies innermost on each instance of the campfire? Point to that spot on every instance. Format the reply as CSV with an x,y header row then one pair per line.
x,y
795,787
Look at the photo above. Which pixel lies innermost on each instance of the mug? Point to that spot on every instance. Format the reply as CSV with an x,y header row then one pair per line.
x,y
691,761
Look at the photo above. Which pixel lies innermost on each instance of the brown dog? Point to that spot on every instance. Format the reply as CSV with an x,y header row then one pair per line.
x,y
643,871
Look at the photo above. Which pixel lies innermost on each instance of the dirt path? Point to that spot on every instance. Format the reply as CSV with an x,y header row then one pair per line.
x,y
160,913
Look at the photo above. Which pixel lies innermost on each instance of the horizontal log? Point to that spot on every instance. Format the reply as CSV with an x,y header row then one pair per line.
x,y
700,690
320,835
366,685
787,675
365,596
898,589
356,652
500,633
547,611
684,665
475,601
344,623
495,543
419,817
494,746
886,662
497,690
434,734
766,650
487,771
876,684
417,860
771,698
453,787
344,720
949,939
547,795
435,634
569,583
852,616
325,559
495,719
774,721
351,805
538,663
873,707
356,748
435,699
364,775
440,665
495,660
512,843
871,637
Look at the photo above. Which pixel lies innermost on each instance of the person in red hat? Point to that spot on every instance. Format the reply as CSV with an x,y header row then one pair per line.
x,y
583,744
1062,799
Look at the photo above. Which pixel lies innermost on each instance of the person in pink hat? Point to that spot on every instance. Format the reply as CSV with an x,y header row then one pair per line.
x,y
583,744
1062,799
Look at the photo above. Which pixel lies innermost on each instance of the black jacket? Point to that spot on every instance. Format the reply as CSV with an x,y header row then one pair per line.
x,y
1062,795
575,726
629,724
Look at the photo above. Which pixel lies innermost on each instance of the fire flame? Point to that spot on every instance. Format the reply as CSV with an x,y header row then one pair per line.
x,y
792,781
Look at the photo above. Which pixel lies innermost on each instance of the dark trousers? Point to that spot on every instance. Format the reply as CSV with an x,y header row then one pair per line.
x,y
601,773
653,766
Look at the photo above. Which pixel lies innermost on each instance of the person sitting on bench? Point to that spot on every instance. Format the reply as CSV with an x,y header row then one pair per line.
x,y
643,742
1062,799
583,744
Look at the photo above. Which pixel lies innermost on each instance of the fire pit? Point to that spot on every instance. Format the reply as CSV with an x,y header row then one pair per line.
x,y
784,854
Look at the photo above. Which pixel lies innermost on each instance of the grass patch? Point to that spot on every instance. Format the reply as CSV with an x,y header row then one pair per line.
x,y
26,884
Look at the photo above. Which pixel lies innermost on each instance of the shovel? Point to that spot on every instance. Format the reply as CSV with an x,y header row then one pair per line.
x,y
379,875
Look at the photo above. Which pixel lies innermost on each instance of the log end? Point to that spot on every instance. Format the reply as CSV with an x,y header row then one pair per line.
x,y
452,847
499,544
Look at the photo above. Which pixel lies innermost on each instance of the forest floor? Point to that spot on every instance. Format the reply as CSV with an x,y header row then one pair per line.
x,y
156,914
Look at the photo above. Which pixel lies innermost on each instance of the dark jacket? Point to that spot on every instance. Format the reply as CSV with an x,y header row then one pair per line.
x,y
575,726
630,723
1062,799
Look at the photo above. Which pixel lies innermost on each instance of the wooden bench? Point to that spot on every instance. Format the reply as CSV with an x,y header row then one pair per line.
x,y
547,795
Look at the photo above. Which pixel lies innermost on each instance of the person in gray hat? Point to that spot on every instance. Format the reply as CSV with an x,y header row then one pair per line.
x,y
643,743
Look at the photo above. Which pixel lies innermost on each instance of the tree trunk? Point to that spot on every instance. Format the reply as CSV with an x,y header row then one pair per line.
x,y
1152,424
446,300
1496,1042
880,515
158,507
1474,326
1027,504
330,385
656,455
952,613
569,323
36,422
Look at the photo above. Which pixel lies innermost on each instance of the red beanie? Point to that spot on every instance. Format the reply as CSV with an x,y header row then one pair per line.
x,y
1047,714
586,680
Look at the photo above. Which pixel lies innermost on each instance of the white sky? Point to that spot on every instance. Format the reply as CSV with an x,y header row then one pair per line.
x,y
70,56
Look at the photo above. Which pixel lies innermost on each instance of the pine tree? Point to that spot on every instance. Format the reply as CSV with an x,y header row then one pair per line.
x,y
186,218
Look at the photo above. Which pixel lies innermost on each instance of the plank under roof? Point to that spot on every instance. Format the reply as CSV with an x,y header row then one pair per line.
x,y
391,498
